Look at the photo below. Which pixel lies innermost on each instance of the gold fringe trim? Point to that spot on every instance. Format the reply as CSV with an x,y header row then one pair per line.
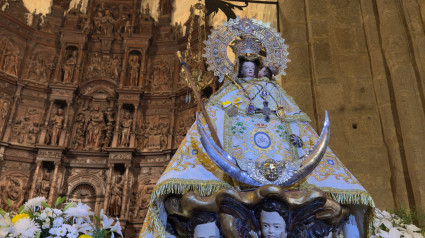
x,y
179,186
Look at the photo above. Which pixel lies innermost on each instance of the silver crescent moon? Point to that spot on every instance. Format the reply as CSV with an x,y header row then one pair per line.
x,y
227,163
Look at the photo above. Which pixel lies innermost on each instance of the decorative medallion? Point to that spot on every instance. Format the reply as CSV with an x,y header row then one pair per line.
x,y
280,112
262,140
250,109
296,141
232,111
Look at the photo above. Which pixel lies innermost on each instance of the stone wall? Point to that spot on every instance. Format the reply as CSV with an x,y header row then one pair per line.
x,y
363,62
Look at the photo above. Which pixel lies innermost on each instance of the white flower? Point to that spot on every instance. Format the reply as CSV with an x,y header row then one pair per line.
x,y
43,216
34,204
56,212
5,225
61,231
80,213
116,228
58,222
45,225
53,231
107,222
84,228
26,228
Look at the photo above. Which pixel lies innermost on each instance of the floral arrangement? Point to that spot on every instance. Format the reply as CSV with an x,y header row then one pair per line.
x,y
38,219
387,225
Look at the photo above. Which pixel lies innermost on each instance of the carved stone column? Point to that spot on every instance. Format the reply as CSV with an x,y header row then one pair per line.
x,y
133,128
108,188
124,68
10,121
142,70
59,65
42,138
78,66
117,127
53,186
125,193
35,178
65,123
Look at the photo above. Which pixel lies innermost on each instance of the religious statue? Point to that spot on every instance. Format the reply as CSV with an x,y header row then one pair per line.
x,y
107,23
80,124
69,67
143,193
116,194
126,123
134,70
85,25
115,68
56,127
44,188
95,66
98,23
110,123
11,63
95,128
257,138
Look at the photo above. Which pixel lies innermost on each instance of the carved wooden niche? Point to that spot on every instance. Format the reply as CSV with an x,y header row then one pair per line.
x,y
56,123
125,125
69,64
133,69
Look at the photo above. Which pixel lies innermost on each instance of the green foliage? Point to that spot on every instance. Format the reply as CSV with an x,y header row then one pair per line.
x,y
21,208
59,201
411,216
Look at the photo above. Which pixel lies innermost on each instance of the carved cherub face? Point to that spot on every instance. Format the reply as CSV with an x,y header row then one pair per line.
x,y
248,69
270,170
272,225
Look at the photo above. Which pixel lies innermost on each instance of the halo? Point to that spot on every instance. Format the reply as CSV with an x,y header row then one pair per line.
x,y
220,38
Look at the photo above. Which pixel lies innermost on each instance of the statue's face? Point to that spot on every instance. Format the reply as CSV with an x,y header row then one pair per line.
x,y
248,70
270,171
263,73
207,230
272,225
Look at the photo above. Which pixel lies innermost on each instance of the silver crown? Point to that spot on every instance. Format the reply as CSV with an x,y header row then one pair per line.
x,y
246,45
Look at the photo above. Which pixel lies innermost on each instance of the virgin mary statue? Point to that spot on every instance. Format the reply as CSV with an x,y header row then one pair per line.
x,y
264,136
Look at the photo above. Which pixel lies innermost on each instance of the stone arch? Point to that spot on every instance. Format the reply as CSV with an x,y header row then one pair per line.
x,y
87,188
99,85
88,179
